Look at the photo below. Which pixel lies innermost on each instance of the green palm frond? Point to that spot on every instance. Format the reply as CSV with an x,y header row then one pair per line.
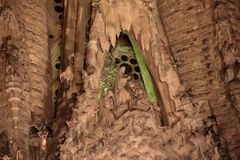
x,y
56,52
146,76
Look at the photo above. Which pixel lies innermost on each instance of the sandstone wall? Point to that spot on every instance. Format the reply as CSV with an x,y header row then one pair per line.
x,y
25,73
36,39
193,36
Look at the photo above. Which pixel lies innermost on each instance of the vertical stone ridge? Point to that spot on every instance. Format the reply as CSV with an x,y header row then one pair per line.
x,y
226,21
16,115
195,35
36,37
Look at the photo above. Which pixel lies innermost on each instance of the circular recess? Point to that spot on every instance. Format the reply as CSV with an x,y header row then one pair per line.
x,y
33,130
135,76
58,9
137,69
58,1
50,36
117,61
124,58
133,61
57,65
128,68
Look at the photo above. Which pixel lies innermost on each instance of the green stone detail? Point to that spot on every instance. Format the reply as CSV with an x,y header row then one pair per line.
x,y
146,76
124,49
56,52
108,76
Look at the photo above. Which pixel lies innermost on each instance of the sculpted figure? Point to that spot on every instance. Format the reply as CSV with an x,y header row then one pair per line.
x,y
67,76
43,141
120,90
121,93
106,116
139,98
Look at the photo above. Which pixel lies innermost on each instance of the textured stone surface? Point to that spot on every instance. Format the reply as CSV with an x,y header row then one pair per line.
x,y
27,76
199,34
52,62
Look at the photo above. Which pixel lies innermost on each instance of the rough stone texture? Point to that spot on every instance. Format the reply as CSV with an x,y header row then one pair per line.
x,y
136,133
106,131
15,113
24,52
203,39
35,22
191,48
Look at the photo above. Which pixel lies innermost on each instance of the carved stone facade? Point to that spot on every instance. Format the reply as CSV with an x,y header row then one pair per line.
x,y
64,96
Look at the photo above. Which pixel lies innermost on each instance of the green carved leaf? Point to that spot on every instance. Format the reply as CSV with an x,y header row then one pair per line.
x,y
146,76
56,51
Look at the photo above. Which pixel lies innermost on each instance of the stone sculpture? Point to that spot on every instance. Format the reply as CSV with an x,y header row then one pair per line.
x,y
191,49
